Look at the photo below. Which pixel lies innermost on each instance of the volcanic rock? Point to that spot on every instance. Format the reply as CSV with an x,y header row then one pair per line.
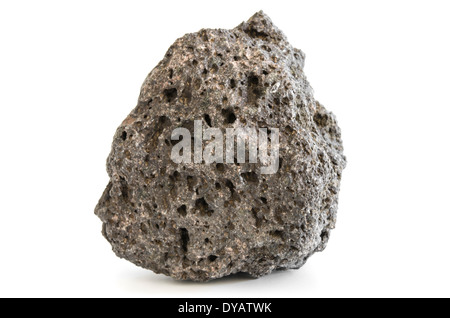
x,y
198,221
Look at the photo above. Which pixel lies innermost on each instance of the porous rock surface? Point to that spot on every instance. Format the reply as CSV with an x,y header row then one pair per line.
x,y
200,222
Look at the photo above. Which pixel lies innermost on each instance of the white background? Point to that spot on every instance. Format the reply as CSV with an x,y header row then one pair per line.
x,y
70,72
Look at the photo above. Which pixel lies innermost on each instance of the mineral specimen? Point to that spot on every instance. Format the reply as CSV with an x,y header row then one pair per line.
x,y
201,221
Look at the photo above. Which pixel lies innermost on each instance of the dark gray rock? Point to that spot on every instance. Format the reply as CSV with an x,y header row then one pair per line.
x,y
199,221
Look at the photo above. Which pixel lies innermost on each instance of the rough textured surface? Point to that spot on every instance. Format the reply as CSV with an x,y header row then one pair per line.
x,y
201,222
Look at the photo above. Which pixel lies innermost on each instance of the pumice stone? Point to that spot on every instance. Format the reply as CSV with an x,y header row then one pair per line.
x,y
227,164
